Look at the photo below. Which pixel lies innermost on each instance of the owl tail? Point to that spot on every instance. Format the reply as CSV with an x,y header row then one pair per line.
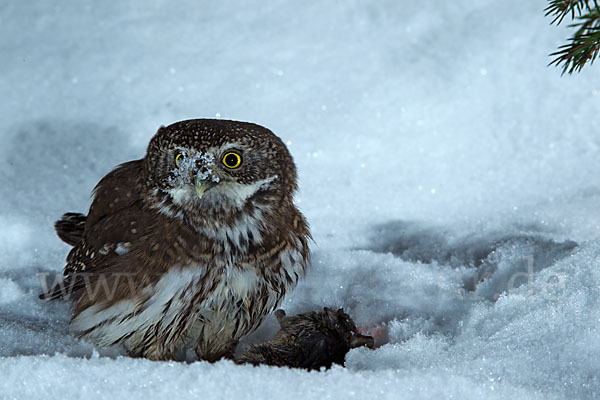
x,y
70,228
60,288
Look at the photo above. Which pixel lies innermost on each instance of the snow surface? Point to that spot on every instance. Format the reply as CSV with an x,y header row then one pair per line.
x,y
450,179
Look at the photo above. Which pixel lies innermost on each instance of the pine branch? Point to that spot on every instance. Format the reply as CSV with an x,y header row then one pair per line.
x,y
584,45
561,8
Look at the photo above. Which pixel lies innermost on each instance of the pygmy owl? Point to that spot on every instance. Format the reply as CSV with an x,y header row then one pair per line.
x,y
189,247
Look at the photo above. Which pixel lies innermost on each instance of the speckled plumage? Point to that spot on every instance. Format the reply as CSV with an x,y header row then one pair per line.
x,y
160,267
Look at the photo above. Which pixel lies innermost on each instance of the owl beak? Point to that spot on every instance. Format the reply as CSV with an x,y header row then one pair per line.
x,y
202,185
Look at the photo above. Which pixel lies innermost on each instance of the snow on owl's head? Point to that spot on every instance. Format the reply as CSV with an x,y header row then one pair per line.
x,y
202,169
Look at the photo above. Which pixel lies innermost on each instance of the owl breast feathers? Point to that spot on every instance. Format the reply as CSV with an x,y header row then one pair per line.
x,y
189,247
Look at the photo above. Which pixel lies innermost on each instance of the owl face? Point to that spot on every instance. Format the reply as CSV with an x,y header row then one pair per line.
x,y
225,175
208,167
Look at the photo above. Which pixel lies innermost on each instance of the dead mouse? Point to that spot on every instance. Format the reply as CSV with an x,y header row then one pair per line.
x,y
311,340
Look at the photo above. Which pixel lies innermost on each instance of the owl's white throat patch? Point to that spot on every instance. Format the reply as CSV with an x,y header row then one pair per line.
x,y
238,193
182,195
225,193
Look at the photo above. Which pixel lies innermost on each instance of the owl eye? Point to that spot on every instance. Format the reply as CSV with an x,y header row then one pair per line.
x,y
178,159
231,160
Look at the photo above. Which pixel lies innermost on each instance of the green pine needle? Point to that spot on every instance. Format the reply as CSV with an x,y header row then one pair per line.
x,y
561,8
584,45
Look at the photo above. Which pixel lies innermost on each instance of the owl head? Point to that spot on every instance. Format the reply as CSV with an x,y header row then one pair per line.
x,y
204,168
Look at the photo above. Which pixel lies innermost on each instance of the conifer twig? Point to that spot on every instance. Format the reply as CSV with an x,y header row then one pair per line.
x,y
584,45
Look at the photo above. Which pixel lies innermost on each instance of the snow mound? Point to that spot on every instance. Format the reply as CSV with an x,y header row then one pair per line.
x,y
450,180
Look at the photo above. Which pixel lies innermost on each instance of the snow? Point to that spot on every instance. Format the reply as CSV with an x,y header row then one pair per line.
x,y
181,174
450,179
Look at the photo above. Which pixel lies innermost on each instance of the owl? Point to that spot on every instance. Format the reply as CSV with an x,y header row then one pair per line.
x,y
189,247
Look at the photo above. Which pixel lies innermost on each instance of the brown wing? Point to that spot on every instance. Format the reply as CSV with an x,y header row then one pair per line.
x,y
117,191
114,219
104,251
111,220
125,241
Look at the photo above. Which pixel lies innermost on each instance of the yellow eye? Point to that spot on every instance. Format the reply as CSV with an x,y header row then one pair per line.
x,y
178,160
231,160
